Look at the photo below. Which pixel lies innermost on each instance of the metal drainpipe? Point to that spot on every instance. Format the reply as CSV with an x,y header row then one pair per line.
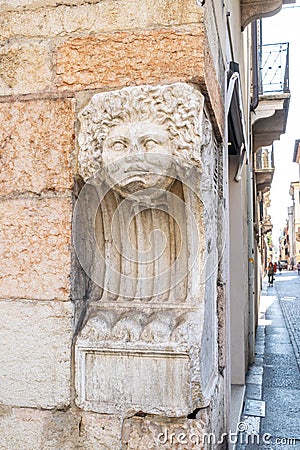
x,y
255,86
251,262
250,213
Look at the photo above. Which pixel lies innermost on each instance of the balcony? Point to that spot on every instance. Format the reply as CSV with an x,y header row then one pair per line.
x,y
252,10
269,120
264,168
267,225
274,69
296,156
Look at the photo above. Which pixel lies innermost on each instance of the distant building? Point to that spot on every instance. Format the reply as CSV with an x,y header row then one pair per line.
x,y
264,170
284,244
294,223
296,156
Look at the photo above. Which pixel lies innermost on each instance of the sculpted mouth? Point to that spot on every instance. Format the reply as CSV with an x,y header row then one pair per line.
x,y
133,171
132,177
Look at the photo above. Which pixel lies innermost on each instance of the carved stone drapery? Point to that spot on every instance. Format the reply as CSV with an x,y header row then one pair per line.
x,y
145,235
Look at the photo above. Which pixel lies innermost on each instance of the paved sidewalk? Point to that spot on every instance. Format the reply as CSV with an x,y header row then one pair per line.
x,y
288,291
271,415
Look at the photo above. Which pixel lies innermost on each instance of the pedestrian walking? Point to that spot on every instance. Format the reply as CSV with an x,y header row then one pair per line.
x,y
270,273
279,267
298,267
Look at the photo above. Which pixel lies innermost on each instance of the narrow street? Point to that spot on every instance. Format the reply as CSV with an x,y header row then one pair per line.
x,y
271,413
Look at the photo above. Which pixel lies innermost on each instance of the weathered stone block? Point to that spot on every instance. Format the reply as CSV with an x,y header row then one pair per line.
x,y
10,4
25,68
37,138
69,429
22,428
35,354
48,21
34,248
151,433
104,381
27,428
99,432
125,58
215,90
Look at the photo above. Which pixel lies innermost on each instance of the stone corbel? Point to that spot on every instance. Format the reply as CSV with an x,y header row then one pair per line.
x,y
269,121
253,10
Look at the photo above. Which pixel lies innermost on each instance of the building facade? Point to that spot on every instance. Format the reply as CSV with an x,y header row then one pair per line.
x,y
130,271
294,223
284,244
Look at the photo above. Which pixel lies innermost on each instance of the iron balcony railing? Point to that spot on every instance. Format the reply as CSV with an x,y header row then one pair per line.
x,y
274,68
264,159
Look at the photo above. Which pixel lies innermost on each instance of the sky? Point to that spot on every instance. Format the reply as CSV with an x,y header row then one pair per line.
x,y
285,27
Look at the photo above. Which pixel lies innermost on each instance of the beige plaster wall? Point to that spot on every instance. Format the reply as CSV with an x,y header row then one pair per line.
x,y
238,275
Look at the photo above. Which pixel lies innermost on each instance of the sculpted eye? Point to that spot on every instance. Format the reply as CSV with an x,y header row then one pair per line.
x,y
151,143
119,145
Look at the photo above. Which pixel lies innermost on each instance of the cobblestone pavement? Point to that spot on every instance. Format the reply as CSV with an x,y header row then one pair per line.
x,y
271,415
288,289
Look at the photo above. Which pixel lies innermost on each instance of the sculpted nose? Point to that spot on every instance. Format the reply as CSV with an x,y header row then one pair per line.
x,y
136,148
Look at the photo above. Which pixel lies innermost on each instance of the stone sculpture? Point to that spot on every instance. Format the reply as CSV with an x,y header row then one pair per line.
x,y
145,238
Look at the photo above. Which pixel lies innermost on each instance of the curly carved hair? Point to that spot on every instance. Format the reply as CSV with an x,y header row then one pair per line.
x,y
177,107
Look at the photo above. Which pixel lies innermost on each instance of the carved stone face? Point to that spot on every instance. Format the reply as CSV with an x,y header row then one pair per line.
x,y
138,156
